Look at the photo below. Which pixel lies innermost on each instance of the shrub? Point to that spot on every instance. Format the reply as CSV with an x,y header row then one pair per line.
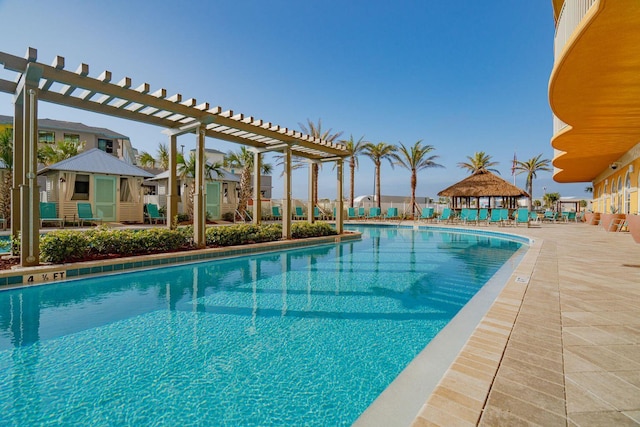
x,y
227,216
301,230
64,246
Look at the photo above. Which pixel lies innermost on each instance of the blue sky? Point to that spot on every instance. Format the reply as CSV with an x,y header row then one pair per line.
x,y
462,76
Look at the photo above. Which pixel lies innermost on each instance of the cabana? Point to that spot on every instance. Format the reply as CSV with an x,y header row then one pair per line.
x,y
221,192
480,185
111,186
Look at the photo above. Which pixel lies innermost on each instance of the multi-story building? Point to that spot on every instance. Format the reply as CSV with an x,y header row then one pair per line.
x,y
594,92
52,131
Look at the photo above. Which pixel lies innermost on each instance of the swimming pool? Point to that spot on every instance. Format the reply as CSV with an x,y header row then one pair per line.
x,y
302,337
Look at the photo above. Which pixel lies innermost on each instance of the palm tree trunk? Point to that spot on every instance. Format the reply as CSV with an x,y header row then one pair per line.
x,y
414,184
5,195
530,191
245,190
352,175
192,193
378,184
315,186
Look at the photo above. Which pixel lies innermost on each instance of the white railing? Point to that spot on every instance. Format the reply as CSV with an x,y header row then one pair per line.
x,y
572,13
558,125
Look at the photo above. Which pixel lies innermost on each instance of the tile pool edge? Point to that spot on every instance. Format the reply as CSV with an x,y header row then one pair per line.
x,y
53,273
464,356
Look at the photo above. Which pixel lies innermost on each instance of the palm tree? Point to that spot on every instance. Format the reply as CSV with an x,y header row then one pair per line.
x,y
316,131
354,148
243,159
479,160
415,158
550,199
146,160
186,168
53,153
377,153
6,156
531,167
162,158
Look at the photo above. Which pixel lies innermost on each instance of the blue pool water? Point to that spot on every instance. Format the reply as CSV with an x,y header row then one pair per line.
x,y
303,337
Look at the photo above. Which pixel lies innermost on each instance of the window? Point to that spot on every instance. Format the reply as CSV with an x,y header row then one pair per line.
x,y
627,194
46,137
125,190
619,206
70,137
106,145
81,188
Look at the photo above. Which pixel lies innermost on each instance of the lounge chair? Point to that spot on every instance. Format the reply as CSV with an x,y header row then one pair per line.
x,y
472,216
427,214
445,215
522,216
85,214
392,213
299,213
275,213
153,214
319,213
504,216
496,217
550,216
570,216
483,215
362,212
351,213
464,212
48,214
374,213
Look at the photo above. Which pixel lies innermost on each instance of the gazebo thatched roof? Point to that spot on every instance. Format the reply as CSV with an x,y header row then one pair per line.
x,y
483,183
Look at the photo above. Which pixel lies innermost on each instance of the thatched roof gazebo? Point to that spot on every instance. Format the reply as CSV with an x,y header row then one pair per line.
x,y
483,184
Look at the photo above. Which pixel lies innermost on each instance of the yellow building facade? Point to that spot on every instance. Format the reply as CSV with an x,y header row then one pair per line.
x,y
594,92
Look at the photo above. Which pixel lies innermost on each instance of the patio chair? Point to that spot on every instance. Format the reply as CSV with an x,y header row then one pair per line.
x,y
522,216
464,212
153,214
374,212
445,215
362,212
299,213
275,213
496,217
85,214
504,216
570,216
483,215
472,216
392,213
319,213
550,216
48,214
427,214
351,213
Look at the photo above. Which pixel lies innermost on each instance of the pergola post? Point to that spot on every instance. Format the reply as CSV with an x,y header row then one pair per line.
x,y
172,191
18,167
286,204
199,208
257,195
340,197
29,192
312,187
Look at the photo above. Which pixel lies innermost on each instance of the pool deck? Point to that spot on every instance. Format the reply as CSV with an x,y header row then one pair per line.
x,y
561,343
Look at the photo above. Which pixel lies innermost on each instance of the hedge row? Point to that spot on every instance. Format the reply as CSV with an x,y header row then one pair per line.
x,y
71,245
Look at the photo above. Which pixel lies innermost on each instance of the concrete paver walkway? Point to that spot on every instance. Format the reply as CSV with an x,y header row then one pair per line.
x,y
561,344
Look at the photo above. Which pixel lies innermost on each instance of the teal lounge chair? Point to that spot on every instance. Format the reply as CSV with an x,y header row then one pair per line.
x,y
464,212
483,215
570,216
362,212
427,214
496,217
550,216
522,216
299,213
472,216
85,214
48,214
153,214
320,214
392,213
351,213
445,215
275,213
504,216
374,213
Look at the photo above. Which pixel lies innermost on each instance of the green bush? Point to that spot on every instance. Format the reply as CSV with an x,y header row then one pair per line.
x,y
301,230
228,216
242,234
64,246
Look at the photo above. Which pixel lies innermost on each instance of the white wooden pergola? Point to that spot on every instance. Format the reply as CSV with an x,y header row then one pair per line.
x,y
36,81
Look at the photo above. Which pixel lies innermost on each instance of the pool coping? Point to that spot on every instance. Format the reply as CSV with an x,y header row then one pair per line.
x,y
419,386
53,273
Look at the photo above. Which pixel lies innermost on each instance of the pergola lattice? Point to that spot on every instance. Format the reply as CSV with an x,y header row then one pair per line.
x,y
52,83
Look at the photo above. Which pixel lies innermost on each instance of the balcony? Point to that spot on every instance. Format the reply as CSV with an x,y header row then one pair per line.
x,y
594,89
